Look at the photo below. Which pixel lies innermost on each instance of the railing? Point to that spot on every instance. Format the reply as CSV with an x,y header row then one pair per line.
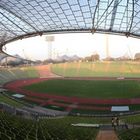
x,y
30,113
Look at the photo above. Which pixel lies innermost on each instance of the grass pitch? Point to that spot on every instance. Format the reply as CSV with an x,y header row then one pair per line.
x,y
89,88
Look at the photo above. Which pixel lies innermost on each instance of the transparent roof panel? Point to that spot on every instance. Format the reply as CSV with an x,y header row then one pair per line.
x,y
25,18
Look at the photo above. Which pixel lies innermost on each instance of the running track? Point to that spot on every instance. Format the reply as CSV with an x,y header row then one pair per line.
x,y
16,86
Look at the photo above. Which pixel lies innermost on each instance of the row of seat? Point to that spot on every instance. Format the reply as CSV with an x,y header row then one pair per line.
x,y
10,74
15,128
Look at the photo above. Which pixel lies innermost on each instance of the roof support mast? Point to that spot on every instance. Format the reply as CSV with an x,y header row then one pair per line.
x,y
116,2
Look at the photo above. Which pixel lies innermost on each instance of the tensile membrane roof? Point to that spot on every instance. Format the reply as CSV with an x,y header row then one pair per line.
x,y
25,18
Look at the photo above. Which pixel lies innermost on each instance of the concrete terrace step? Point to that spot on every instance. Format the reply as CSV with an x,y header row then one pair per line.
x,y
45,72
106,135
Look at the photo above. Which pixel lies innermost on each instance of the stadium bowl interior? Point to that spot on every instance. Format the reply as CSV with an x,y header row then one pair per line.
x,y
72,98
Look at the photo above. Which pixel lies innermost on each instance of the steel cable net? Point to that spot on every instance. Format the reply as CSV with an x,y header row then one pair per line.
x,y
25,18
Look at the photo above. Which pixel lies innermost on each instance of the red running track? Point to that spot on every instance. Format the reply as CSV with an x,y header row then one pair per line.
x,y
16,86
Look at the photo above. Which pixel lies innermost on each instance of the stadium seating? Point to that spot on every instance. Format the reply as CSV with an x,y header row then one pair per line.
x,y
130,134
9,74
97,69
16,128
133,133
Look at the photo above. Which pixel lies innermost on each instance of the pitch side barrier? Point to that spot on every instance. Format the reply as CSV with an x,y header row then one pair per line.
x,y
13,110
106,115
30,113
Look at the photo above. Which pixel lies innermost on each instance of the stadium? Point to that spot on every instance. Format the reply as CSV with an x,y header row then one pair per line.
x,y
69,97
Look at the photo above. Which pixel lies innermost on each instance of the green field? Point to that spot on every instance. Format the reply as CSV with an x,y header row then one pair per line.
x,y
89,88
97,69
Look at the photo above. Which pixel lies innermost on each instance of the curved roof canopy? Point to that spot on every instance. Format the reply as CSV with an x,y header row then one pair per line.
x,y
24,18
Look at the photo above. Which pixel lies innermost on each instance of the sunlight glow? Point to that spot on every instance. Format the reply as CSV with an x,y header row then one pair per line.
x,y
36,48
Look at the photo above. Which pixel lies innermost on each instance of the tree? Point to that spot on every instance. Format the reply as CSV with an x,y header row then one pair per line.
x,y
93,57
137,56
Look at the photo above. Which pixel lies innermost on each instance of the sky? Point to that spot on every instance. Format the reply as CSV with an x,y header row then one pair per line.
x,y
81,44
